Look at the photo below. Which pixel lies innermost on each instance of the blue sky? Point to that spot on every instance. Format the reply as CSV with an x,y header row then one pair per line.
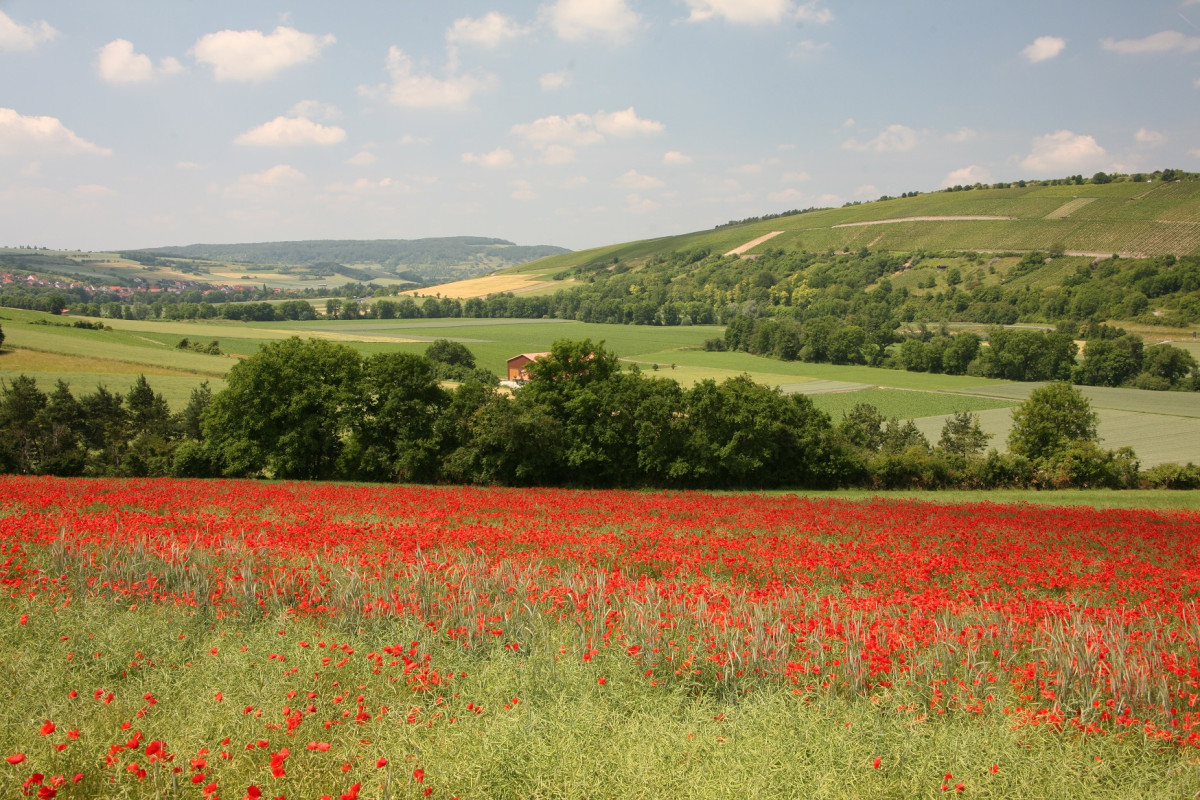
x,y
140,123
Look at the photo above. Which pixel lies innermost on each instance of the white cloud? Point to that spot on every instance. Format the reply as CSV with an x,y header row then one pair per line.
x,y
636,204
894,139
625,123
411,89
1194,153
1161,42
364,186
118,63
490,30
962,135
868,191
315,110
581,130
785,196
576,20
523,190
17,37
495,159
756,12
675,158
291,132
255,56
807,47
1063,151
552,81
795,177
1044,48
32,169
558,154
967,176
636,180
267,182
1147,136
21,134
1196,83
91,191
577,130
363,158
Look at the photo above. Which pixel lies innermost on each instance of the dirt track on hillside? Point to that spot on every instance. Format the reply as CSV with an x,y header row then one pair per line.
x,y
920,219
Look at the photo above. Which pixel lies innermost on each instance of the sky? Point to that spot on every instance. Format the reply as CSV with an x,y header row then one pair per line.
x,y
577,123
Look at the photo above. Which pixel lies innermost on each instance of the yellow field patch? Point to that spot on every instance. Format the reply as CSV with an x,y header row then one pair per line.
x,y
492,284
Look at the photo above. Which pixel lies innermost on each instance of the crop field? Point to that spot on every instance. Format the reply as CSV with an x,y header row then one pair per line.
x,y
520,283
1161,427
906,404
236,639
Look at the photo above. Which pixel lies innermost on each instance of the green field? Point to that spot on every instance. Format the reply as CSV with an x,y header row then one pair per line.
x,y
1160,426
906,404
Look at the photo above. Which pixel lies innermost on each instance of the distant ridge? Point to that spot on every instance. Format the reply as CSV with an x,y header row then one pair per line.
x,y
428,260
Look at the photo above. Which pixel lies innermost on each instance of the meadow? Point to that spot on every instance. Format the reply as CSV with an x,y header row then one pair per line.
x,y
228,640
1160,426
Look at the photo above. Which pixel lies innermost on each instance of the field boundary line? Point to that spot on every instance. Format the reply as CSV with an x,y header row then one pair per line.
x,y
750,245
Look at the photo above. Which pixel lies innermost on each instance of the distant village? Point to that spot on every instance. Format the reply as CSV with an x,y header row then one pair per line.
x,y
124,292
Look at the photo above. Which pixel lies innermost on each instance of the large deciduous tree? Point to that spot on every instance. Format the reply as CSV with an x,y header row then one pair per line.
x,y
283,411
1055,416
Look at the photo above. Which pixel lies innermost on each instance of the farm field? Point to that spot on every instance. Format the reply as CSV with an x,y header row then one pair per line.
x,y
1160,426
240,639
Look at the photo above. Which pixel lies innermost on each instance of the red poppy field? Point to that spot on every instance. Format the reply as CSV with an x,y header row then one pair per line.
x,y
216,640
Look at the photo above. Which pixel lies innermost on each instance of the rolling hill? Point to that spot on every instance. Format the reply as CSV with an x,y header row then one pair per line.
x,y
1127,218
286,265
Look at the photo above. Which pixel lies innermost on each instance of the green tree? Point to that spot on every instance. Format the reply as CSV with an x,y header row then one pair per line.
x,y
1109,362
455,354
862,426
105,431
1172,365
21,406
391,426
963,436
741,433
152,430
283,411
1054,416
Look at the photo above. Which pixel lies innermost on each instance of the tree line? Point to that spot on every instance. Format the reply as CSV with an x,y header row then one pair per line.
x,y
318,410
1111,357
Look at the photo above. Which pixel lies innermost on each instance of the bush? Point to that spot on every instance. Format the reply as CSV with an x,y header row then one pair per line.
x,y
1085,465
1000,471
1172,476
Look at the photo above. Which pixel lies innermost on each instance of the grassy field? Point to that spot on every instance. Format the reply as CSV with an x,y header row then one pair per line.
x,y
906,404
1157,499
1161,427
223,638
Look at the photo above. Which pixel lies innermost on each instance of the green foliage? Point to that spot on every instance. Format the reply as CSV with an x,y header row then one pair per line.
x,y
282,412
963,436
1053,418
